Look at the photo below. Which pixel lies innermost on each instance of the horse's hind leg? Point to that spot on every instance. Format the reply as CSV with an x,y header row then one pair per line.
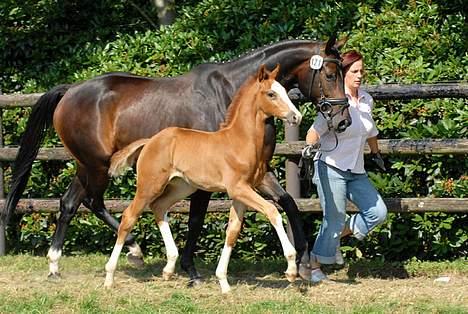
x,y
97,182
175,191
271,188
236,215
198,206
69,204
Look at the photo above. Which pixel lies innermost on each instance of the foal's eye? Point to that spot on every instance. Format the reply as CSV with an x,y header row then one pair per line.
x,y
271,94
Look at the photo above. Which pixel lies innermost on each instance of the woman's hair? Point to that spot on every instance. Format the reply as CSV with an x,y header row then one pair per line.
x,y
349,57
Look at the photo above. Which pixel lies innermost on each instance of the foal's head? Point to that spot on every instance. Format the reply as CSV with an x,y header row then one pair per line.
x,y
273,99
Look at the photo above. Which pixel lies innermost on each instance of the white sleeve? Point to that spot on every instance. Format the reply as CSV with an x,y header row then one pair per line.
x,y
373,132
320,125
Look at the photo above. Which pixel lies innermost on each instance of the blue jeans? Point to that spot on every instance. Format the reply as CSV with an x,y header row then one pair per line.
x,y
334,186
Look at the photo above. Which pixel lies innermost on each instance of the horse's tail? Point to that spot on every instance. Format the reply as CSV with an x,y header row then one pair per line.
x,y
126,157
38,123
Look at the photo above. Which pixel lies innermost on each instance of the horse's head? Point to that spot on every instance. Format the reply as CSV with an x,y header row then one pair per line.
x,y
321,80
273,98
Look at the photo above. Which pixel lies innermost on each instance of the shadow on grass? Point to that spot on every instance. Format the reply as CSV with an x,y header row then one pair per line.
x,y
377,269
270,273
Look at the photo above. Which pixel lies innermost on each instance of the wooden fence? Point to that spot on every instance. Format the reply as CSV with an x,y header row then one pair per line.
x,y
291,149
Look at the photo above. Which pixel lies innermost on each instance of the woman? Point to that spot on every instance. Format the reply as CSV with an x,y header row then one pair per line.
x,y
340,175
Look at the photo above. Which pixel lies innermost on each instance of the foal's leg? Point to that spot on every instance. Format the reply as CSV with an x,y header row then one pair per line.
x,y
129,218
236,215
97,183
198,206
148,189
249,197
271,188
69,204
174,192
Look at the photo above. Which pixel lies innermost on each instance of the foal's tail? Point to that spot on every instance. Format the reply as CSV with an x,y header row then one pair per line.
x,y
38,123
126,157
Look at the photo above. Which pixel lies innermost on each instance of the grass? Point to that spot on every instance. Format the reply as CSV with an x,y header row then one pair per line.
x,y
360,287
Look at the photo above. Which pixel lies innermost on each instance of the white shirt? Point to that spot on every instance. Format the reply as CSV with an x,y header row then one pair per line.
x,y
349,154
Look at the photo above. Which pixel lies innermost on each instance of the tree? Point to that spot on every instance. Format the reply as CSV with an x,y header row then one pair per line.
x,y
166,11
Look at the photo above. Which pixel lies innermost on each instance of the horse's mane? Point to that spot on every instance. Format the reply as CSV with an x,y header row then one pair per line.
x,y
272,46
236,101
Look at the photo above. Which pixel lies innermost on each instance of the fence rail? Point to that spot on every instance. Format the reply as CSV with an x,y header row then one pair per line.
x,y
291,149
397,205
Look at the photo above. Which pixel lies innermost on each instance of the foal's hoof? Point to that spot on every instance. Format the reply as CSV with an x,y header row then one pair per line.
x,y
167,276
136,261
290,276
54,277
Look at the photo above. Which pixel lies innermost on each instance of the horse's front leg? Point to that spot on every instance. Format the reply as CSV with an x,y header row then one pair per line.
x,y
236,215
198,206
250,198
271,188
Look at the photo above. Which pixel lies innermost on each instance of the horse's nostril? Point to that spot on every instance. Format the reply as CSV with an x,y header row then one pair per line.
x,y
343,125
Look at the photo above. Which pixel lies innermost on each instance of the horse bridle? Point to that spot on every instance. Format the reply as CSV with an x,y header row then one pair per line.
x,y
325,105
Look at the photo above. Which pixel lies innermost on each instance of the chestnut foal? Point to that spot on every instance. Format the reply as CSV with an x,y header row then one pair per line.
x,y
228,160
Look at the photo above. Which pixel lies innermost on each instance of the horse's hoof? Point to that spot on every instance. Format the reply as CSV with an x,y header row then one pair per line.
x,y
136,261
290,276
54,277
304,272
167,276
195,282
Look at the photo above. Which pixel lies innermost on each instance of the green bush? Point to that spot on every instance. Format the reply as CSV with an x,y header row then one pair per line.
x,y
54,42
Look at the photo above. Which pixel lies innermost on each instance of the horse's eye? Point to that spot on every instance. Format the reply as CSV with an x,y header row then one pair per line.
x,y
331,77
271,94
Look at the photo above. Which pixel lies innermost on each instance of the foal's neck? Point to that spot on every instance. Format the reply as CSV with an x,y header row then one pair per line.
x,y
246,122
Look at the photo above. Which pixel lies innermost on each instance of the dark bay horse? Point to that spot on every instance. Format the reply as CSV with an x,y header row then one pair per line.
x,y
100,116
228,160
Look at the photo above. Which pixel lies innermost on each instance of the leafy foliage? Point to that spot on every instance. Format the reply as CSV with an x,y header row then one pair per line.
x,y
46,42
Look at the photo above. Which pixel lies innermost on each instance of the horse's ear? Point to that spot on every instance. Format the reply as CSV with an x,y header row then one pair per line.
x,y
330,43
340,43
262,73
275,71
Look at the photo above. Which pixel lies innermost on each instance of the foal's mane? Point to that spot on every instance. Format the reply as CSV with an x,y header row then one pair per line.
x,y
236,101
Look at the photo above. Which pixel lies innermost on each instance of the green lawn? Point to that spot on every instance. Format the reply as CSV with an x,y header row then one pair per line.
x,y
360,287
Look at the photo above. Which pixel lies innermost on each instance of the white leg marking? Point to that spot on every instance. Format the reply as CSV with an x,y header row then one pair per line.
x,y
288,249
54,256
171,248
135,250
112,265
221,270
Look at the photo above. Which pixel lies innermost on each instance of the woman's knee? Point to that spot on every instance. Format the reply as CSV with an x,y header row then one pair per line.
x,y
380,212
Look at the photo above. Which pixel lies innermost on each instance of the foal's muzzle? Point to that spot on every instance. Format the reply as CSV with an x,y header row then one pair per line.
x,y
293,118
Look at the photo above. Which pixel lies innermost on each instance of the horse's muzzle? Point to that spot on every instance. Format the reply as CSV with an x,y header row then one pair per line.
x,y
343,125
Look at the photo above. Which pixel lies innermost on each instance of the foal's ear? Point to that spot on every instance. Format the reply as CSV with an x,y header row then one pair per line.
x,y
275,71
262,73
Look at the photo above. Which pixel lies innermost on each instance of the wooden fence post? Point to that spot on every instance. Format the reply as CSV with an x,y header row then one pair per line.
x,y
2,195
293,187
